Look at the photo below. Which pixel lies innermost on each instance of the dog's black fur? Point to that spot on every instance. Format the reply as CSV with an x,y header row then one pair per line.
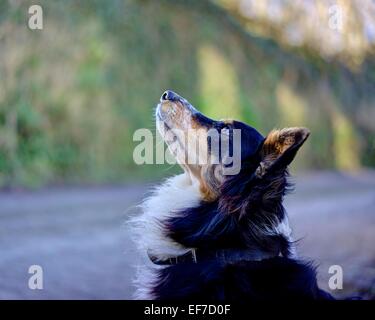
x,y
249,204
271,279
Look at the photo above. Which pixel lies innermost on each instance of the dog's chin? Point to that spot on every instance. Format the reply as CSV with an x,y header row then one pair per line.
x,y
158,115
163,122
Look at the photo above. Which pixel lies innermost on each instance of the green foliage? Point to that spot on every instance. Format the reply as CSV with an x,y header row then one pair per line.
x,y
73,94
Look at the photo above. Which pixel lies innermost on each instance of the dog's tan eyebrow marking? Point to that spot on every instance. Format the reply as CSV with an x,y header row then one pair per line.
x,y
228,121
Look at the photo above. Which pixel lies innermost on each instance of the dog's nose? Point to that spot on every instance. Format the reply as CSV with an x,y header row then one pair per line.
x,y
170,95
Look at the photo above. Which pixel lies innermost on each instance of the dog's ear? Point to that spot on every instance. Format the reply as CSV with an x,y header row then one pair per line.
x,y
279,149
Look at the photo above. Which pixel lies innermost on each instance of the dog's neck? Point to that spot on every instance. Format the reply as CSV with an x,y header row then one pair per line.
x,y
165,201
178,202
258,205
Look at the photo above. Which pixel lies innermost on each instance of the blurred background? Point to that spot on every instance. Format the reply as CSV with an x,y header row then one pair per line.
x,y
72,95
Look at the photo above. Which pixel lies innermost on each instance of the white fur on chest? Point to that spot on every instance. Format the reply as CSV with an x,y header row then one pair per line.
x,y
175,194
165,202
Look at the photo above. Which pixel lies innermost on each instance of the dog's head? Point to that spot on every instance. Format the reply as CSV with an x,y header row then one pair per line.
x,y
212,151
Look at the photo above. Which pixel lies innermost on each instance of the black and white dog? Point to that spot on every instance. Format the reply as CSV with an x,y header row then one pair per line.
x,y
213,236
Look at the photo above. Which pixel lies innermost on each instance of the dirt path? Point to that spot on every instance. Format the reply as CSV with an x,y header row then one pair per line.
x,y
80,239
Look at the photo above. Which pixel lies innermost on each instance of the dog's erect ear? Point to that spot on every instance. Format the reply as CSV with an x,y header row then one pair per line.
x,y
279,149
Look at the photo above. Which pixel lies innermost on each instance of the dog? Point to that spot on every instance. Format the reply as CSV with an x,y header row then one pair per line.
x,y
215,236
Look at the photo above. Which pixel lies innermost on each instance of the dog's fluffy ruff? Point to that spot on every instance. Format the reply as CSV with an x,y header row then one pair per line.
x,y
166,200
